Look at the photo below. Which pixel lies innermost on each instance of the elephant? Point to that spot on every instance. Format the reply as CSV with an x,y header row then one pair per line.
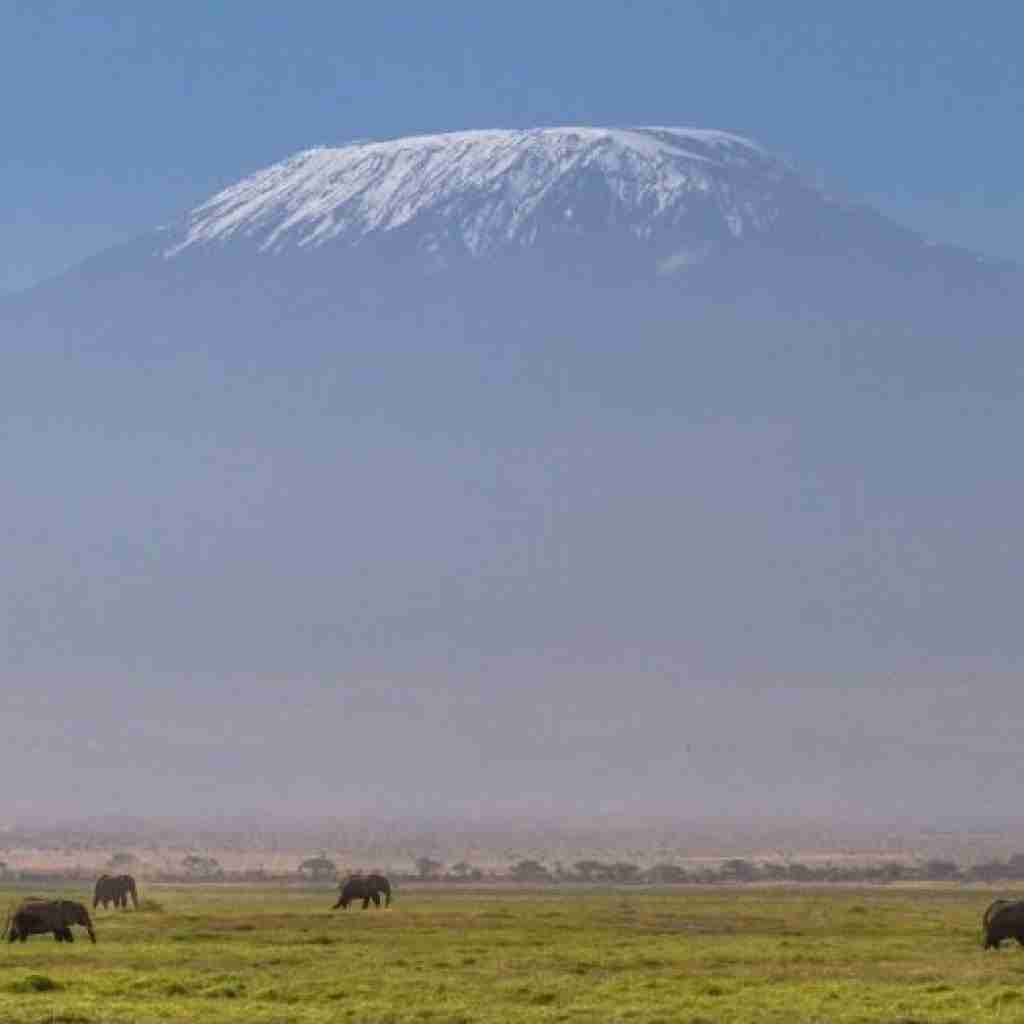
x,y
38,916
1004,919
365,888
116,888
992,908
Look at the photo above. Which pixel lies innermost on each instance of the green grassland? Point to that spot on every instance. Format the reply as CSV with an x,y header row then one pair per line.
x,y
729,954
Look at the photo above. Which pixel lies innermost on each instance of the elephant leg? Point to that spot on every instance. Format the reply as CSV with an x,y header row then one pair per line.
x,y
376,900
366,902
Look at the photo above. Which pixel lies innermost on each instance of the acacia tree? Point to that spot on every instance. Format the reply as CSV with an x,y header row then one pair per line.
x,y
944,870
319,869
623,871
738,870
529,871
198,866
427,868
591,870
667,873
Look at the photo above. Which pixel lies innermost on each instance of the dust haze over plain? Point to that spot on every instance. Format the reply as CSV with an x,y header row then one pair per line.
x,y
319,534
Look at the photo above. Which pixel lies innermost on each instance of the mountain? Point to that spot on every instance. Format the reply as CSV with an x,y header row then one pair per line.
x,y
477,193
687,216
488,193
529,460
679,194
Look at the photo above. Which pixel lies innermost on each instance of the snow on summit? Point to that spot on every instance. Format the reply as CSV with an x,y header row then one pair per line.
x,y
481,190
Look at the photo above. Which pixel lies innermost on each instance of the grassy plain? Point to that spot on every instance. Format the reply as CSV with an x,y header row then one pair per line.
x,y
698,955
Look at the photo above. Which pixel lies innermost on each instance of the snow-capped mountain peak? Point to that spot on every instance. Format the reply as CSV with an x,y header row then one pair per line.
x,y
478,191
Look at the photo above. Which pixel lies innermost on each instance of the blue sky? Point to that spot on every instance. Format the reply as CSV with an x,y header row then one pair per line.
x,y
119,116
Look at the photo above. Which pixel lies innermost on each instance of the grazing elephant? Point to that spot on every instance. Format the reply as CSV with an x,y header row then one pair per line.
x,y
116,889
38,916
992,908
1004,919
365,888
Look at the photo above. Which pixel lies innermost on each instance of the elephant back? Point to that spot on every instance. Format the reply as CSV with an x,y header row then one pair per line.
x,y
378,883
355,888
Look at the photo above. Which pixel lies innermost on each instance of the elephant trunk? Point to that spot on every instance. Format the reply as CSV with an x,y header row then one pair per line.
x,y
84,919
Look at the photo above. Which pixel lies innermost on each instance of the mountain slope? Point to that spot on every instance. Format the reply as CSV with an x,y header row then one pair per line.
x,y
682,194
502,225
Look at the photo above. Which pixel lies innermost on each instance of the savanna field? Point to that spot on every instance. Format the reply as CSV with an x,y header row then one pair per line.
x,y
712,954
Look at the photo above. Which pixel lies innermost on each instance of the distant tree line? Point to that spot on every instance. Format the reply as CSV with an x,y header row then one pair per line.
x,y
321,869
733,870
593,871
